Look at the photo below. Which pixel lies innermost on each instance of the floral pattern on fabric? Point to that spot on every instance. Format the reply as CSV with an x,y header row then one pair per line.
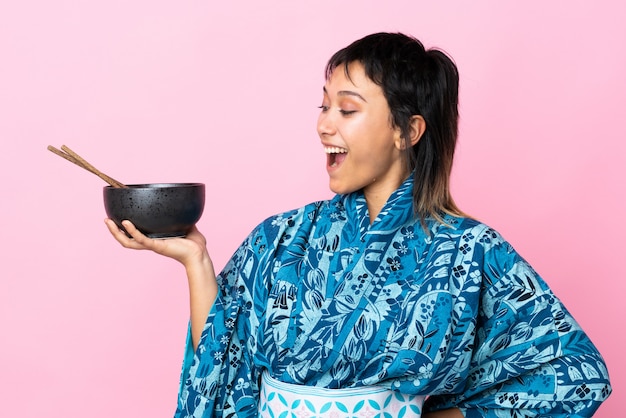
x,y
319,297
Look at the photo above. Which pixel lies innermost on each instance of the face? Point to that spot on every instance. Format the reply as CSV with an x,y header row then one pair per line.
x,y
364,150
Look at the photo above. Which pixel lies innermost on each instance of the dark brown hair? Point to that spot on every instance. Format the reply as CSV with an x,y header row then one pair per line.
x,y
415,81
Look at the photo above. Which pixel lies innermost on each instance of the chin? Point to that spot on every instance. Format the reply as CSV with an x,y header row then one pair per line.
x,y
341,188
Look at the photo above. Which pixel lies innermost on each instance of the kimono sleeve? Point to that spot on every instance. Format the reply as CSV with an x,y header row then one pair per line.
x,y
219,378
531,357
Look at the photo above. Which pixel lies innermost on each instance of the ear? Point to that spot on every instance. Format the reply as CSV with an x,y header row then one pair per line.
x,y
416,130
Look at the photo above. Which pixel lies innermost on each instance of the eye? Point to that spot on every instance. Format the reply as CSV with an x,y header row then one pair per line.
x,y
324,108
347,112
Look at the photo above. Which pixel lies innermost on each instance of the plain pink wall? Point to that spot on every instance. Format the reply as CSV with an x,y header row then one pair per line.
x,y
227,94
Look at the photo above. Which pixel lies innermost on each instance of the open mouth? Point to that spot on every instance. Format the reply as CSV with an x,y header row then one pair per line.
x,y
335,155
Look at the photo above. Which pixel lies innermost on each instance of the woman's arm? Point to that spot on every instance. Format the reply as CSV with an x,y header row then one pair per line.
x,y
530,356
191,252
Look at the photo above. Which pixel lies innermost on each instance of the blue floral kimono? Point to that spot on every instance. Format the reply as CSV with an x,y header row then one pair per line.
x,y
318,296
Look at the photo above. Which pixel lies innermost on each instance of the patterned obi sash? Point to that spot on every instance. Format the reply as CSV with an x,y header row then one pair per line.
x,y
280,399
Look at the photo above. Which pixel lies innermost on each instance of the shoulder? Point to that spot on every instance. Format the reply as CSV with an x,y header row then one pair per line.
x,y
468,230
485,244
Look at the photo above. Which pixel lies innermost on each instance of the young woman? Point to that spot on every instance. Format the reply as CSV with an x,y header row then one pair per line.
x,y
387,294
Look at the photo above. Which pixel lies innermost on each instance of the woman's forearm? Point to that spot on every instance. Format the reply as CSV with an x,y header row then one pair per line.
x,y
202,294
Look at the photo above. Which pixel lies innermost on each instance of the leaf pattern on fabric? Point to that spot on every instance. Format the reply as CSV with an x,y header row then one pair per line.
x,y
318,296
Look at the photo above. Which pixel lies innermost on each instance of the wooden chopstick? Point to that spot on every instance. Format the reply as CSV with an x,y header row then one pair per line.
x,y
72,157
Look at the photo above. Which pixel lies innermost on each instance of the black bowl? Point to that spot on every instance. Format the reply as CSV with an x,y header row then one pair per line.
x,y
159,210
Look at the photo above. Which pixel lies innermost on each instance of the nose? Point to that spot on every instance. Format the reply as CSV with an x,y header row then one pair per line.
x,y
325,124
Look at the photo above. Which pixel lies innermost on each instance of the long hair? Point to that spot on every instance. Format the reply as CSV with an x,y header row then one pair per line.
x,y
415,81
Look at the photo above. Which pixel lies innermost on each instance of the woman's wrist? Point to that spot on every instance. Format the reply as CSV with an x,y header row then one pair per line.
x,y
200,268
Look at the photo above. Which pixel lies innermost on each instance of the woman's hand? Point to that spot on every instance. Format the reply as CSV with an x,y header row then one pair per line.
x,y
186,250
191,252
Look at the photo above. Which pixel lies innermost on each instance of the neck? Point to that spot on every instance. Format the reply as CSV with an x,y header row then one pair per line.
x,y
376,195
373,210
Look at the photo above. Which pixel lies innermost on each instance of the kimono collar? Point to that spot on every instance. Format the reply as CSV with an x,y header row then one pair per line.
x,y
396,212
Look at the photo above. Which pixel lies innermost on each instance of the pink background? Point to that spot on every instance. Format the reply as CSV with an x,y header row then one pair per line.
x,y
152,91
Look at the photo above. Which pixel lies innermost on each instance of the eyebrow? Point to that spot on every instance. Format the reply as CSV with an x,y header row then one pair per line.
x,y
347,93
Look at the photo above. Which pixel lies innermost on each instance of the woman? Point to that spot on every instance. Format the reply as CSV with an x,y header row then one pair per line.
x,y
386,293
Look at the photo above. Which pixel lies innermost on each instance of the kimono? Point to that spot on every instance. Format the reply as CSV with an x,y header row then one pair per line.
x,y
318,296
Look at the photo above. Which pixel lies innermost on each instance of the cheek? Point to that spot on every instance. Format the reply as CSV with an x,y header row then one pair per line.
x,y
381,137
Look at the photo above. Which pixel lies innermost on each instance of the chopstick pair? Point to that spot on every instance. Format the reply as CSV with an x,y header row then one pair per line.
x,y
72,157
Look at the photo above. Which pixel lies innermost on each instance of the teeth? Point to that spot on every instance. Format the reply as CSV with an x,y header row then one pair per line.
x,y
335,150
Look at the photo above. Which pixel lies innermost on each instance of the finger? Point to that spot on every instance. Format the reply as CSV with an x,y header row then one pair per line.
x,y
132,230
137,235
141,240
121,237
113,228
